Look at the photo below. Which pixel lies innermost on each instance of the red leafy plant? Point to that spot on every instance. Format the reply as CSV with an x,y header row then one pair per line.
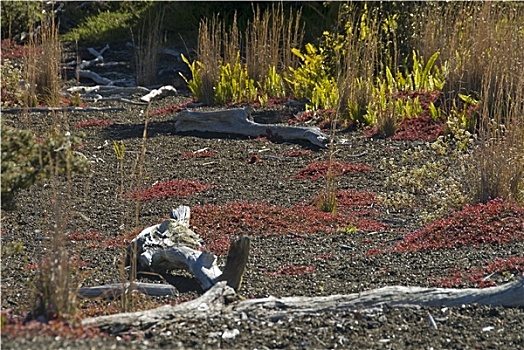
x,y
422,128
296,153
11,50
203,153
170,109
482,277
496,222
88,236
317,170
168,189
216,224
94,122
14,328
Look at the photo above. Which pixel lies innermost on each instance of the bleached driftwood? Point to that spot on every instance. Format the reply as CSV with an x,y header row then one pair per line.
x,y
222,300
115,289
163,91
61,109
109,90
172,245
238,121
97,78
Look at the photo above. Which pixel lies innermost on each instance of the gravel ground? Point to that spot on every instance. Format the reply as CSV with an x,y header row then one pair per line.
x,y
321,262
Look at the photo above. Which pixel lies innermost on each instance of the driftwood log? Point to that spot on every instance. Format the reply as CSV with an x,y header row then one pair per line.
x,y
61,109
238,121
222,299
172,245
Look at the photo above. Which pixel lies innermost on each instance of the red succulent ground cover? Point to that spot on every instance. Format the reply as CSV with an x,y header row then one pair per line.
x,y
13,327
170,109
205,153
480,276
94,122
496,222
217,224
422,128
87,236
296,153
168,189
11,50
317,170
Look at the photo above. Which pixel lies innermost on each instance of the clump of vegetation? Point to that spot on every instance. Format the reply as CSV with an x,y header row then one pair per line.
x,y
11,93
216,224
233,68
148,46
27,160
469,227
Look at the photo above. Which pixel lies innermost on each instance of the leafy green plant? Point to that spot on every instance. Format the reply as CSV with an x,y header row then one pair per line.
x,y
195,83
312,79
274,84
234,84
106,26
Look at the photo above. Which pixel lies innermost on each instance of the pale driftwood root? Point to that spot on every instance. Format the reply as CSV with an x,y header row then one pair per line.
x,y
109,291
209,304
221,299
238,121
62,109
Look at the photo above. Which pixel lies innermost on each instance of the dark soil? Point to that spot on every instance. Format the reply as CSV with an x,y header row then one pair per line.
x,y
253,189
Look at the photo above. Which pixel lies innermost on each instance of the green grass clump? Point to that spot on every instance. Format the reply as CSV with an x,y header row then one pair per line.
x,y
105,27
26,160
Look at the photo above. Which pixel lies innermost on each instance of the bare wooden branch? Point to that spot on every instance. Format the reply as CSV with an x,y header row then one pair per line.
x,y
116,289
163,91
238,121
61,109
97,78
221,299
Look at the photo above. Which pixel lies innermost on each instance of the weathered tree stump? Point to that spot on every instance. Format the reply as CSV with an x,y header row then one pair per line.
x,y
238,121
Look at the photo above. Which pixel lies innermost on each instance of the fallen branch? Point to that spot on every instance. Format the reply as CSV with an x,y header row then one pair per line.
x,y
116,289
61,109
239,121
163,91
222,300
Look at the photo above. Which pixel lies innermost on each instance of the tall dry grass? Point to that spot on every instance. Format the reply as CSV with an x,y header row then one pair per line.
x,y
470,37
267,42
483,45
42,66
147,50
